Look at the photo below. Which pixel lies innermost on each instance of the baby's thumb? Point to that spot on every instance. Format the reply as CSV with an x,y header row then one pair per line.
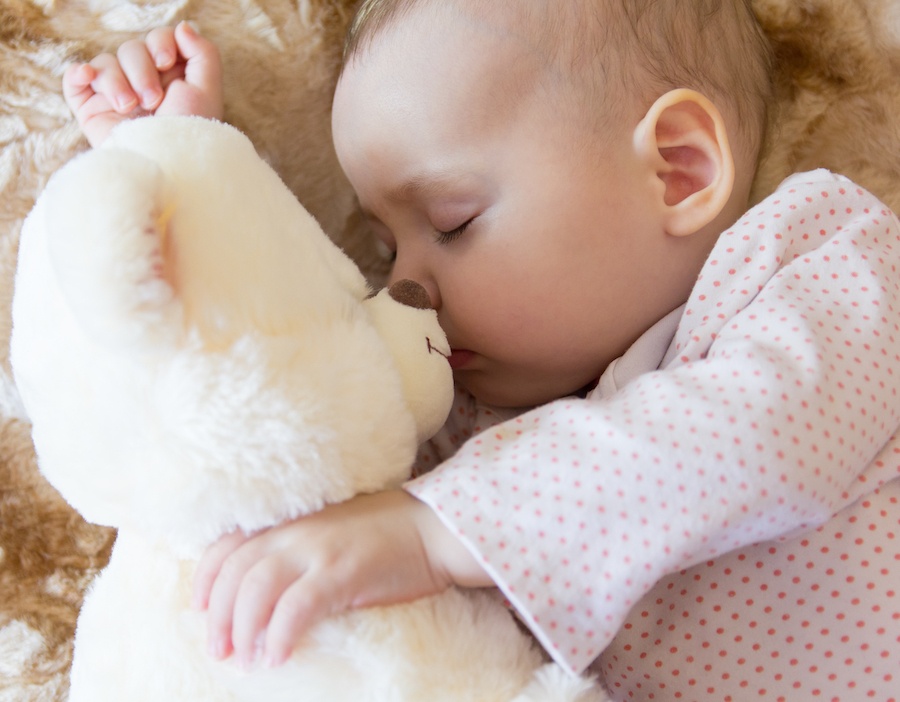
x,y
203,66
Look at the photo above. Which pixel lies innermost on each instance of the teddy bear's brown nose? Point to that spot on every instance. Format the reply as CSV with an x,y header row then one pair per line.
x,y
411,294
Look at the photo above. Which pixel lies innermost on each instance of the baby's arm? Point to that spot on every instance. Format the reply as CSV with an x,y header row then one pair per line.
x,y
766,423
172,72
263,592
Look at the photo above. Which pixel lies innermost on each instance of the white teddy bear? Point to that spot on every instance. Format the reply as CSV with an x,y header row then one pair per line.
x,y
196,356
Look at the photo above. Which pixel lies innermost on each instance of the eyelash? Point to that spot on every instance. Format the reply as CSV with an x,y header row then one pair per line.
x,y
442,237
453,234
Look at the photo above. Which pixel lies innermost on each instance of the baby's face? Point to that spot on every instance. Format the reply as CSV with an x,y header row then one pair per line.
x,y
529,236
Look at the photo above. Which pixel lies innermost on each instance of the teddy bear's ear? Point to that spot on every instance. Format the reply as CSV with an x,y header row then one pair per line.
x,y
105,225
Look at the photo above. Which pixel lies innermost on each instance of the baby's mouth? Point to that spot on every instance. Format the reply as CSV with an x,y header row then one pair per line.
x,y
459,358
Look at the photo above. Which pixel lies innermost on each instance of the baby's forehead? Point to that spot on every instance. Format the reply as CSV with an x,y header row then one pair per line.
x,y
563,43
541,26
444,37
497,57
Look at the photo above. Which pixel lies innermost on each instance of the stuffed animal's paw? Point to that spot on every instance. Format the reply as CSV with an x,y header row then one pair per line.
x,y
107,217
552,684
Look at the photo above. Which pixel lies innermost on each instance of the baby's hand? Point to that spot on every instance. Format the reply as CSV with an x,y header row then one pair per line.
x,y
172,72
263,592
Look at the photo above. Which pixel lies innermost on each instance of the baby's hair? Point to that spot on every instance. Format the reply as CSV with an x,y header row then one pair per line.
x,y
713,46
616,51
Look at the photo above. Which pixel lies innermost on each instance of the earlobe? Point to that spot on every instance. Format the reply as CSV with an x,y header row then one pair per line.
x,y
682,138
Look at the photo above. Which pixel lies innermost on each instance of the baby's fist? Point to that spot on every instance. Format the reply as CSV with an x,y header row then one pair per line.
x,y
171,72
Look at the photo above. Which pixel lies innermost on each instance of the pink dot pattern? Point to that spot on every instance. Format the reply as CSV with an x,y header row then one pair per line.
x,y
619,526
816,617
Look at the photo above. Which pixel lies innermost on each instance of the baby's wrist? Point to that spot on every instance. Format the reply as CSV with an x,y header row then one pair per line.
x,y
448,556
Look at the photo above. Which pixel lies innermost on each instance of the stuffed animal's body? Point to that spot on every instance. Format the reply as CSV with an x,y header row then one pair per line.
x,y
196,356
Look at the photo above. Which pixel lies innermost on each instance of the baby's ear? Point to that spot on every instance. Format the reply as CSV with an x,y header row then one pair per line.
x,y
682,138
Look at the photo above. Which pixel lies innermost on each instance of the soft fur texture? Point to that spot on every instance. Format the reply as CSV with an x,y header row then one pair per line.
x,y
196,356
838,94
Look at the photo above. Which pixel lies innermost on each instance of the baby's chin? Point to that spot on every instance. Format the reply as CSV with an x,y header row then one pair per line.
x,y
517,391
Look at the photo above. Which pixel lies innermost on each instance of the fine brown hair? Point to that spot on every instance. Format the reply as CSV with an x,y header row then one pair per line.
x,y
616,52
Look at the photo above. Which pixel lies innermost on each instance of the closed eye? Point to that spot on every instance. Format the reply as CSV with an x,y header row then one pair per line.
x,y
452,235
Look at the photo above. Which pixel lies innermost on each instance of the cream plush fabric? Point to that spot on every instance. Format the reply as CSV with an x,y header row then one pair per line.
x,y
838,95
197,356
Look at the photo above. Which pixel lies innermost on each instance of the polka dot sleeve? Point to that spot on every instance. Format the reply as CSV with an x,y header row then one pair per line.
x,y
777,396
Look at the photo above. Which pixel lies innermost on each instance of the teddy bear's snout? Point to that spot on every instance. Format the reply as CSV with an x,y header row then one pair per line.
x,y
411,294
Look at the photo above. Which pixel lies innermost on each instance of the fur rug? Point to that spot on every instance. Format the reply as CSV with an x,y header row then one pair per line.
x,y
838,106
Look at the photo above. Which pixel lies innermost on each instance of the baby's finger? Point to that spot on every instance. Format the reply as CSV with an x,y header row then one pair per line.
x,y
76,85
302,605
141,73
203,67
261,588
223,595
110,82
162,47
210,564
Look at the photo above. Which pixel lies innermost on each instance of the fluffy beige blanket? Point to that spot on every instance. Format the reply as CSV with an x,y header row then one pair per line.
x,y
839,100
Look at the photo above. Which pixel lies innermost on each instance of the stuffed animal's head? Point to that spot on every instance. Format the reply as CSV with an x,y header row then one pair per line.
x,y
196,355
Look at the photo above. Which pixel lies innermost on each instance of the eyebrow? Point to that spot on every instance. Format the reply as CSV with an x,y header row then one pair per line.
x,y
429,183
421,186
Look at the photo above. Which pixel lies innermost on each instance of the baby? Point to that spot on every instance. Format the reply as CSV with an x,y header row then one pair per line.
x,y
673,446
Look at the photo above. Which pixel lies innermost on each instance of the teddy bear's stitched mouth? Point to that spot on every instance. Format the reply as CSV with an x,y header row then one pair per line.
x,y
434,349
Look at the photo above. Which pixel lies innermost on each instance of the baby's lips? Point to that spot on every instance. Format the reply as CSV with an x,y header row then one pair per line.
x,y
459,358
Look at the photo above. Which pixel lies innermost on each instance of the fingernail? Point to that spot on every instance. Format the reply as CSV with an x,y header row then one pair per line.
x,y
125,104
150,98
259,646
217,648
164,59
273,661
248,660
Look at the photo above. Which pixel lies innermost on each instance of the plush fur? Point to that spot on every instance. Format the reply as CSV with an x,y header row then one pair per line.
x,y
281,59
838,98
837,92
196,356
